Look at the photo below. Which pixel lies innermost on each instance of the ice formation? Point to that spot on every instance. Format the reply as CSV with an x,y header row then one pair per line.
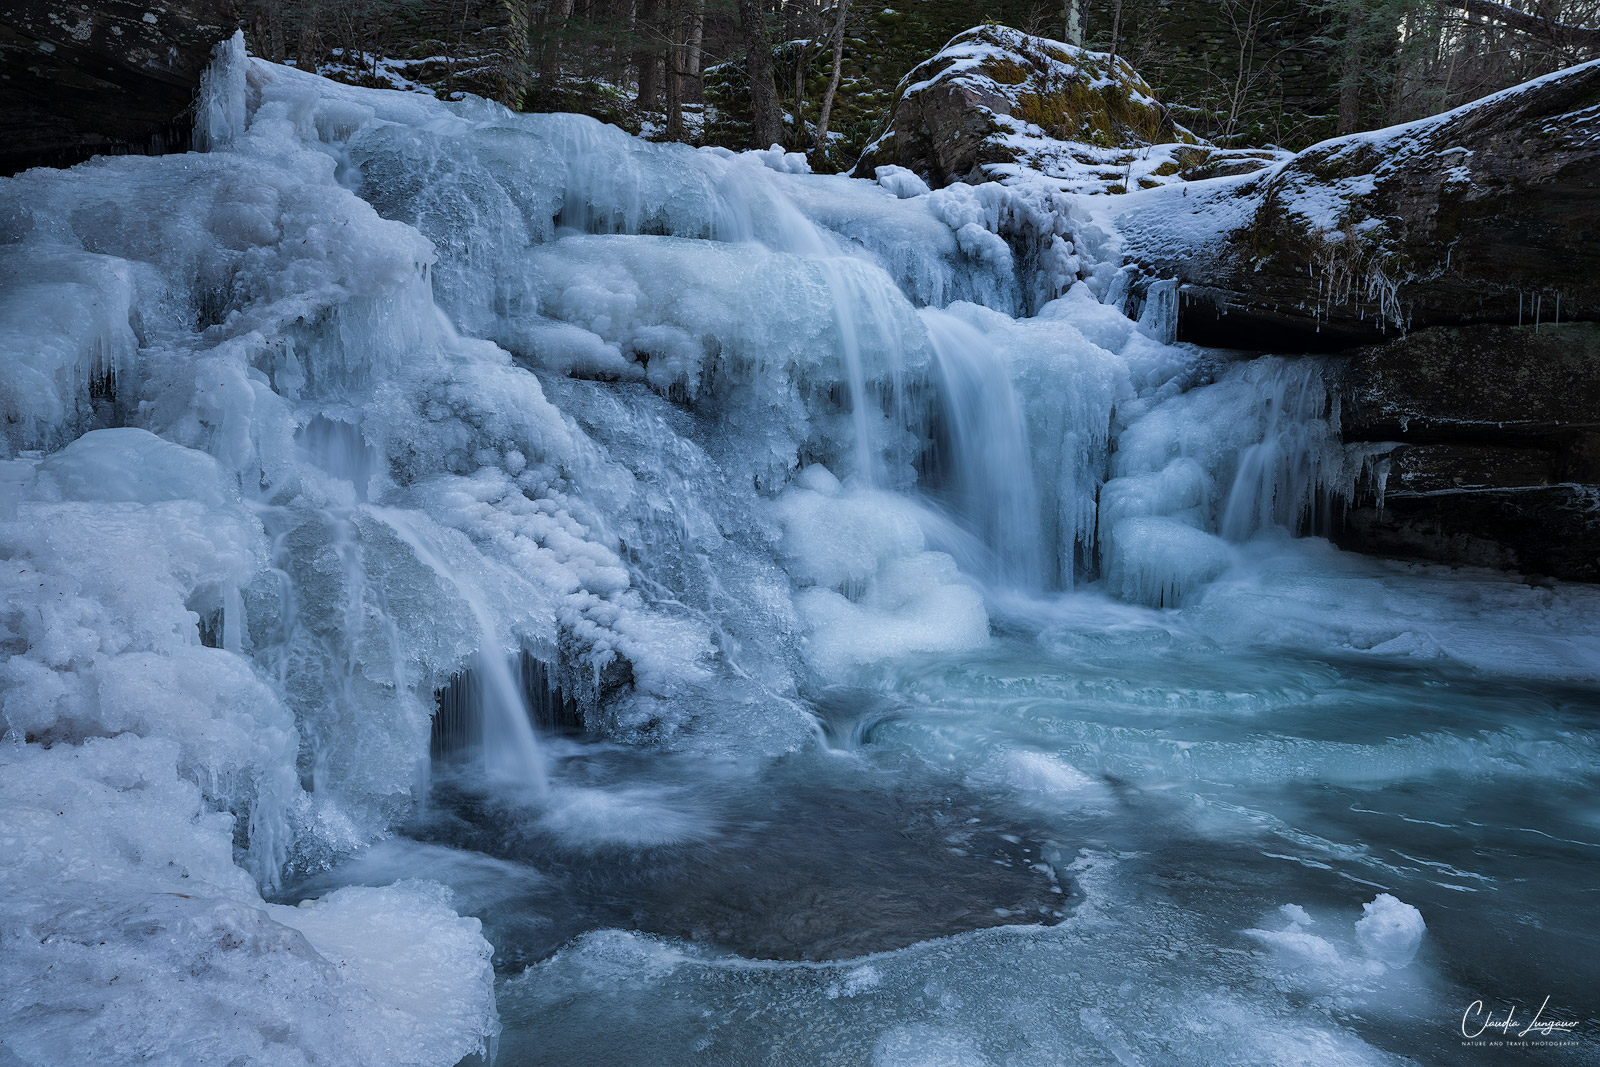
x,y
378,389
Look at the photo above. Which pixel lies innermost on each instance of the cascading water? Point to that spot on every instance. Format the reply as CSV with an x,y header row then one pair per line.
x,y
760,463
510,749
990,462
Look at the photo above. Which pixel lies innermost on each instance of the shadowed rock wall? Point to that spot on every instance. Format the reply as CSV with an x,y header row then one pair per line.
x,y
83,79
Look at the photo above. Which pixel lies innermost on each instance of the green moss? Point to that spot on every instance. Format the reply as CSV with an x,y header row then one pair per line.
x,y
1078,110
1007,71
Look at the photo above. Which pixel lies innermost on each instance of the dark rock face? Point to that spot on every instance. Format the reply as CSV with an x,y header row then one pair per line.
x,y
942,132
1490,440
1527,382
1488,214
81,79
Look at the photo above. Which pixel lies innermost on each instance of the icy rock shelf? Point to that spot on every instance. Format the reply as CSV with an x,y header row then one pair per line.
x,y
378,390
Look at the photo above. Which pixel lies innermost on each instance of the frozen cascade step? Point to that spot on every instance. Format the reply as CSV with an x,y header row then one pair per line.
x,y
510,746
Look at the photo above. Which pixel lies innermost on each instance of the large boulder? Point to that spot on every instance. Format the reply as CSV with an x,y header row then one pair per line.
x,y
81,79
1486,214
995,102
1486,441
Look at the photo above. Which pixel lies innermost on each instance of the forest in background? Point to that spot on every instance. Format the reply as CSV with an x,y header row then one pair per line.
x,y
820,76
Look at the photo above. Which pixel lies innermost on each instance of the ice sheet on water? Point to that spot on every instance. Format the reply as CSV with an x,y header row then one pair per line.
x,y
592,818
1121,980
1040,779
1306,594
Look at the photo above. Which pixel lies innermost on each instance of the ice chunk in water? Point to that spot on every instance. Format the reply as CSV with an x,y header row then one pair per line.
x,y
1390,930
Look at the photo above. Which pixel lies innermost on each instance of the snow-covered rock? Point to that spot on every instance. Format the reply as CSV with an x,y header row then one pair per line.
x,y
996,102
1484,214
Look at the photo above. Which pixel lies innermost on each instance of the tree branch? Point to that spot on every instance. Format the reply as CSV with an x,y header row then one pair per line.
x,y
1535,25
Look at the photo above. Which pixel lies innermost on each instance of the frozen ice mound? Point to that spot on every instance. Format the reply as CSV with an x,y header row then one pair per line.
x,y
1345,959
1159,561
1013,995
66,325
1390,930
901,182
1256,452
869,588
130,934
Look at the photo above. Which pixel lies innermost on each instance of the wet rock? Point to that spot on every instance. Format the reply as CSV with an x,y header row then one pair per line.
x,y
1487,446
806,864
1549,530
81,79
1481,382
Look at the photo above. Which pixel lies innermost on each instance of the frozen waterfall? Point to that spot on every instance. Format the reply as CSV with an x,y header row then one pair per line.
x,y
380,392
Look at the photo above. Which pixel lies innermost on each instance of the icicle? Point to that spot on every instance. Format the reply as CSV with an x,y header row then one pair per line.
x,y
221,111
1159,318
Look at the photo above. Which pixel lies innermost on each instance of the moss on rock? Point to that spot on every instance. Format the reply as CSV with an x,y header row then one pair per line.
x,y
995,96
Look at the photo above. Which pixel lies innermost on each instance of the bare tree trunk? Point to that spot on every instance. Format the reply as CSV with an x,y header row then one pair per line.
x,y
820,148
556,13
765,127
617,54
674,72
1072,12
1350,76
646,57
693,51
308,50
802,60
800,21
270,27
